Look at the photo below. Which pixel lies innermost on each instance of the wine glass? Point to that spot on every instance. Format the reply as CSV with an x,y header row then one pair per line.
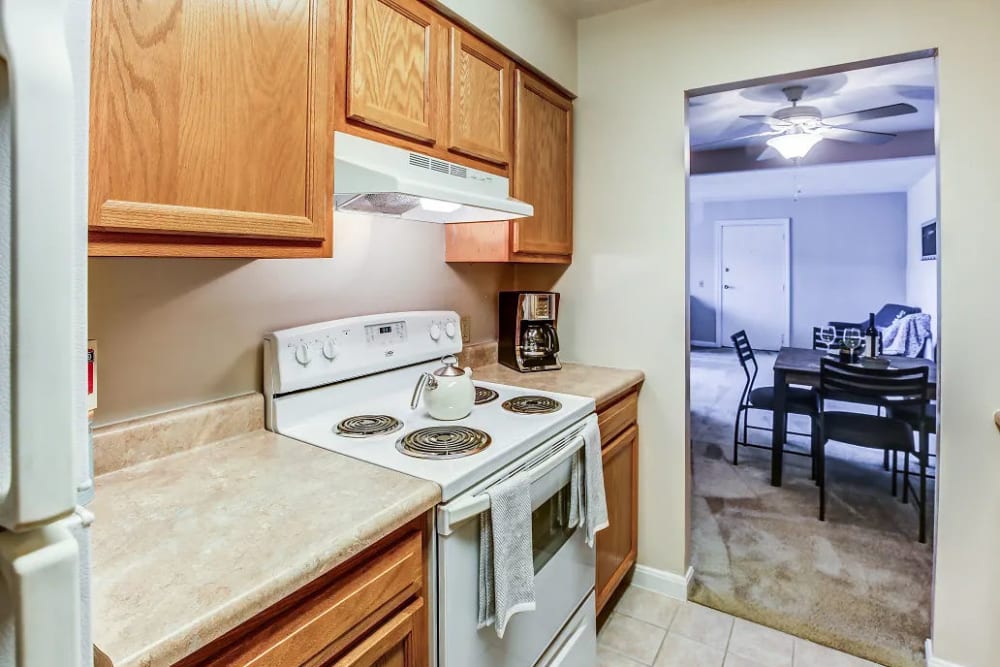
x,y
852,339
827,335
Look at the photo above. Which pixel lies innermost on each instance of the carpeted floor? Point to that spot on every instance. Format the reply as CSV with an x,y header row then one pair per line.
x,y
859,582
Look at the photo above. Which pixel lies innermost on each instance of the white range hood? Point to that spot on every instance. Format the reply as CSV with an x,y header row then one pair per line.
x,y
375,178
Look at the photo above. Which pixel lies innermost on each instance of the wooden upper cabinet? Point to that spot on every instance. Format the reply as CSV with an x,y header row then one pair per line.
x,y
210,126
543,168
541,174
479,119
392,67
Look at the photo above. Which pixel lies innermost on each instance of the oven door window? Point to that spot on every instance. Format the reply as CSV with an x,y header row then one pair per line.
x,y
550,527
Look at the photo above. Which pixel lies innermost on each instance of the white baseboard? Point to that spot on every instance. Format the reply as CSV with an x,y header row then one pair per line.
x,y
704,343
936,662
660,581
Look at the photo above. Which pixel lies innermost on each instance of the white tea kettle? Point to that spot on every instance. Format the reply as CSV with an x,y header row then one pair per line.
x,y
448,393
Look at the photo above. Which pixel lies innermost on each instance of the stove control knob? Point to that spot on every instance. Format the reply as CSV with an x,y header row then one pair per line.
x,y
329,349
449,329
302,354
435,331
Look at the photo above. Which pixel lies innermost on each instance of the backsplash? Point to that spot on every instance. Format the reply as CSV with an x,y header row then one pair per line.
x,y
178,332
135,441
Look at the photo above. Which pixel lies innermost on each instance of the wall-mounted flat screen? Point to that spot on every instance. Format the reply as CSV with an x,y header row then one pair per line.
x,y
928,240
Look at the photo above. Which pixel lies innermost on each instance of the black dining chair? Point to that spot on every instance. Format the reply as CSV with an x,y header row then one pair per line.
x,y
797,401
892,389
838,338
924,426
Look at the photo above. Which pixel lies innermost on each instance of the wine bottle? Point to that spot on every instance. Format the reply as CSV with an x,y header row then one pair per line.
x,y
871,338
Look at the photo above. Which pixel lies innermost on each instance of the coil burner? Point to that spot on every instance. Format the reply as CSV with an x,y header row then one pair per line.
x,y
366,426
443,442
485,395
532,405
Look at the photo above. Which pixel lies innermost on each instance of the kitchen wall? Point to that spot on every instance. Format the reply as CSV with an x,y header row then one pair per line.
x,y
626,295
921,275
848,258
530,28
174,332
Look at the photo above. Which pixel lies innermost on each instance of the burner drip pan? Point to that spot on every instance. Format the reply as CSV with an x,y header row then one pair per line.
x,y
367,426
443,442
532,405
485,395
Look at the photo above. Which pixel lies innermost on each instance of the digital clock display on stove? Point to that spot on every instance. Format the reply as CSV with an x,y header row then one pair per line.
x,y
389,333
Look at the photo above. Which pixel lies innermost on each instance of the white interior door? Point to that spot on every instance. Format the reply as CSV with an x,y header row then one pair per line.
x,y
753,281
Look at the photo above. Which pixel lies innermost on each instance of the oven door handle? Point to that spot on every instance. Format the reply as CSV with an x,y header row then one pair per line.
x,y
466,507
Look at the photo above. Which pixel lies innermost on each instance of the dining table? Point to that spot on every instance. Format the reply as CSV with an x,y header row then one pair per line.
x,y
800,366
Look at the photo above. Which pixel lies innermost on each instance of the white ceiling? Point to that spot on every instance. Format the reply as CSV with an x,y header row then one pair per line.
x,y
586,8
843,178
716,116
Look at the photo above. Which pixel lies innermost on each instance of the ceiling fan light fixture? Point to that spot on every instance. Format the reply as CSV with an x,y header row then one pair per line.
x,y
794,145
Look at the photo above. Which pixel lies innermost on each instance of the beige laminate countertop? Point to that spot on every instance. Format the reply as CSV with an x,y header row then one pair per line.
x,y
602,384
189,546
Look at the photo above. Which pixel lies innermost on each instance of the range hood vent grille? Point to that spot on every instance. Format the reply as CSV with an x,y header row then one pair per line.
x,y
440,166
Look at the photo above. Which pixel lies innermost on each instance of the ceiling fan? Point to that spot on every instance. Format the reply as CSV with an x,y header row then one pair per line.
x,y
793,131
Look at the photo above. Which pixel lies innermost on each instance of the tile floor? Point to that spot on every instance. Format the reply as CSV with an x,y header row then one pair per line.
x,y
652,630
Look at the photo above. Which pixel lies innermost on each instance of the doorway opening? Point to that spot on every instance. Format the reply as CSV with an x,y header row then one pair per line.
x,y
812,210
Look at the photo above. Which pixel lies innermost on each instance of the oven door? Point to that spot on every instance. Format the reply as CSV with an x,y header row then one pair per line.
x,y
563,564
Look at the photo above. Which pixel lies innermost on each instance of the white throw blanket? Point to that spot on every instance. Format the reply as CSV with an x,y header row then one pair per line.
x,y
908,335
506,564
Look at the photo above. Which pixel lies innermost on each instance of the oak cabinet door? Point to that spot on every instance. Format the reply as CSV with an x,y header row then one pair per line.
x,y
399,642
479,123
210,119
543,168
392,67
618,543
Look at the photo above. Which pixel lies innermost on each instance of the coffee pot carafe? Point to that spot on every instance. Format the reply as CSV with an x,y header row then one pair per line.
x,y
538,339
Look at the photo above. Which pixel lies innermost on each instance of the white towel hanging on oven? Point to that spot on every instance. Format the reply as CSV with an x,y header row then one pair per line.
x,y
588,504
506,565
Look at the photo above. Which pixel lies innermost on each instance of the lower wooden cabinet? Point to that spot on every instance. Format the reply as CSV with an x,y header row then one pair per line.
x,y
369,611
617,545
400,642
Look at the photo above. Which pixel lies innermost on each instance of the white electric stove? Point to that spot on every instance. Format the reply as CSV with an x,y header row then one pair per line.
x,y
346,386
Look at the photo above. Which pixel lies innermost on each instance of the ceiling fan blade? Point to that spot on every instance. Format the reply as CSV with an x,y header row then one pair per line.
x,y
856,136
768,153
766,120
900,109
726,140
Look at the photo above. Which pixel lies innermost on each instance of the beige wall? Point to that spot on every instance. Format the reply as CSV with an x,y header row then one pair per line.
x,y
531,29
625,295
174,332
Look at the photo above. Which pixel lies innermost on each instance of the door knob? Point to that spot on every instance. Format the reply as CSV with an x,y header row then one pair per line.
x,y
726,287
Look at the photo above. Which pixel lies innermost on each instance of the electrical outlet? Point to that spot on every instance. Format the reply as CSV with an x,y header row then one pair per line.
x,y
466,329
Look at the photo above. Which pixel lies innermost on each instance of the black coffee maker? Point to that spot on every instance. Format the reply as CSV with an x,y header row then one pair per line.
x,y
528,340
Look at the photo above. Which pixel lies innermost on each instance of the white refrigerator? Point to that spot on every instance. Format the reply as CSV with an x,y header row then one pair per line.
x,y
45,468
